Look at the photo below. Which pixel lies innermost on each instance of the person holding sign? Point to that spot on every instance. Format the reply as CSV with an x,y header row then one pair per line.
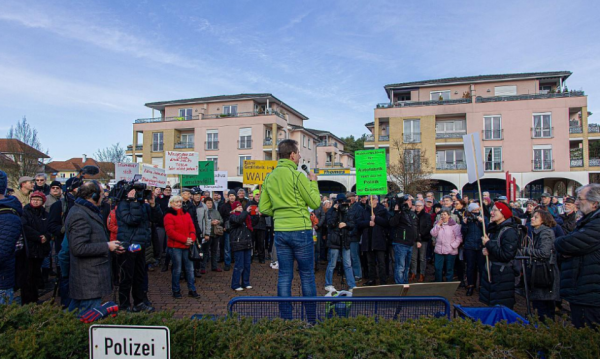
x,y
286,194
373,222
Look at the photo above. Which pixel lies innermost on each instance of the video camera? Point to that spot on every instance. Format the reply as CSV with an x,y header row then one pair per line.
x,y
398,199
122,188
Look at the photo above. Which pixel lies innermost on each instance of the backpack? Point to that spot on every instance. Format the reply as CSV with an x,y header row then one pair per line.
x,y
21,243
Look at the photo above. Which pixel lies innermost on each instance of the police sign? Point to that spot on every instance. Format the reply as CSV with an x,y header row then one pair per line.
x,y
129,341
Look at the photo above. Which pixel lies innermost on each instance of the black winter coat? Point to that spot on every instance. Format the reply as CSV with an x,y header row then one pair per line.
x,y
134,221
35,224
404,227
501,253
424,225
472,231
240,236
338,235
224,209
543,249
580,268
374,238
355,212
569,222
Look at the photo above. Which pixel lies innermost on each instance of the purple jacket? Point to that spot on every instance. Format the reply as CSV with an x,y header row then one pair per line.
x,y
448,238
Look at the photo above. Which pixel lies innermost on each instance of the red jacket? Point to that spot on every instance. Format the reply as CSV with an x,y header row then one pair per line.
x,y
179,227
112,225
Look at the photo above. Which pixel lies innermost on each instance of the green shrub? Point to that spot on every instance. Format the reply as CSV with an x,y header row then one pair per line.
x,y
47,332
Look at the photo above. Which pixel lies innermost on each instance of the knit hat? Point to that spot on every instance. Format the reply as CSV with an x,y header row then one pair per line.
x,y
232,192
235,205
503,208
55,183
40,195
473,206
255,192
3,182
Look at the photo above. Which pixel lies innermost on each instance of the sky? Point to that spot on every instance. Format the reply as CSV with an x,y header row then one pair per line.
x,y
82,71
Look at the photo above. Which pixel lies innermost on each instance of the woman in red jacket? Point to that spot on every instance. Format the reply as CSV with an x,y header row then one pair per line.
x,y
181,234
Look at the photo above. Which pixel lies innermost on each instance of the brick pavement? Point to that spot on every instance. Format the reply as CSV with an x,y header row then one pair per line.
x,y
215,292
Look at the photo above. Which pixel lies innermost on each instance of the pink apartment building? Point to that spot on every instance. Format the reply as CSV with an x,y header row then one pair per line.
x,y
530,124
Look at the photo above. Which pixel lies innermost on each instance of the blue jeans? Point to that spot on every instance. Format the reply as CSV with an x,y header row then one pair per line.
x,y
355,255
448,260
179,255
295,245
83,305
333,257
241,269
402,256
6,296
227,249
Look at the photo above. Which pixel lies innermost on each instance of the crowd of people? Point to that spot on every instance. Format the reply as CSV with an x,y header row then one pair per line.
x,y
104,242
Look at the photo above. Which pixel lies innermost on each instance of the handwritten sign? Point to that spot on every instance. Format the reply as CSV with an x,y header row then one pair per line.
x,y
220,182
181,163
126,171
255,171
371,172
205,175
154,177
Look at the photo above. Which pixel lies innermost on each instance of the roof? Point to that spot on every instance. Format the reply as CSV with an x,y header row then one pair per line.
x,y
75,164
243,96
480,78
370,124
302,128
11,145
325,133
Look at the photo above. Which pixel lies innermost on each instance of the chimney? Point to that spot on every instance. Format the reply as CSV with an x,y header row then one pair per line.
x,y
84,158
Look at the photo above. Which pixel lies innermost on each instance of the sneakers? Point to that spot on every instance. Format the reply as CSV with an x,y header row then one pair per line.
x,y
142,307
330,288
202,271
275,265
239,289
248,287
193,294
177,295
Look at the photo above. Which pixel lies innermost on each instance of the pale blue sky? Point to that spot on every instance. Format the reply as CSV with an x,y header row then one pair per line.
x,y
82,71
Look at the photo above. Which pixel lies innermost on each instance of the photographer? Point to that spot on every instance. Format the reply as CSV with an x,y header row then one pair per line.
x,y
340,224
133,219
404,235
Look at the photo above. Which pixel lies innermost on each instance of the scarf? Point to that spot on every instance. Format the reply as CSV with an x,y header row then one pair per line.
x,y
89,205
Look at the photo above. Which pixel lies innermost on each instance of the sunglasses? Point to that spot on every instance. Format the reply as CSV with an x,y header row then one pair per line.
x,y
54,187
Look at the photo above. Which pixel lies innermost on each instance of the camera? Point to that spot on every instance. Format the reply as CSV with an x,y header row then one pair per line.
x,y
122,188
398,199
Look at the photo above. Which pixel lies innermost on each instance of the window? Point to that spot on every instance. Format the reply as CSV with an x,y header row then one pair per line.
x,y
212,139
544,89
505,90
245,140
542,158
157,142
304,140
435,95
493,158
62,175
309,142
157,161
412,160
267,134
450,126
492,127
241,167
542,125
412,131
230,110
185,113
450,160
215,159
187,139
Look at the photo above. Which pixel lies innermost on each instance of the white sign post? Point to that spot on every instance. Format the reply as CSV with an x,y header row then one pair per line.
x,y
126,171
154,176
129,341
220,182
181,163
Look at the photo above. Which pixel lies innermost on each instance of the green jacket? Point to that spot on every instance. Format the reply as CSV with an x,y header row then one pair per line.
x,y
286,194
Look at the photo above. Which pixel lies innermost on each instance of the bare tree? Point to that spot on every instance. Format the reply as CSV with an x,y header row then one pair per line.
x,y
28,159
411,173
115,154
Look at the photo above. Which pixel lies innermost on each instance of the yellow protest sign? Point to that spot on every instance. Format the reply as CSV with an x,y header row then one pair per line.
x,y
255,171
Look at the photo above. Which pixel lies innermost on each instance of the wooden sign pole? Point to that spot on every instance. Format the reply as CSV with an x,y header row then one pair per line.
x,y
487,258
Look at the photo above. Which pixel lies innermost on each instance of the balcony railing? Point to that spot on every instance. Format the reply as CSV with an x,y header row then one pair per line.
x,y
594,162
269,142
492,166
384,138
167,119
243,114
538,132
424,103
338,164
576,162
325,144
244,144
575,129
492,135
458,134
370,138
480,99
542,165
137,147
460,165
211,145
414,137
593,129
157,147
180,145
327,164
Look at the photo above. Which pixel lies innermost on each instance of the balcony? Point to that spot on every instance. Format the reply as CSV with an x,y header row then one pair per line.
x,y
243,114
167,119
593,129
384,138
458,134
542,165
181,145
594,162
269,142
370,138
137,147
244,144
424,103
211,145
537,132
325,144
338,164
538,96
414,137
575,129
446,166
157,147
493,166
492,135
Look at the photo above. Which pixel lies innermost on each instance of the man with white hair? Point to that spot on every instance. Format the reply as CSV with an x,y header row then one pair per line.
x,y
40,184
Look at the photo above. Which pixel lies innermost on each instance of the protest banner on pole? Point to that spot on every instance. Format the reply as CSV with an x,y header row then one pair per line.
x,y
220,182
205,175
126,171
255,171
154,176
371,172
181,163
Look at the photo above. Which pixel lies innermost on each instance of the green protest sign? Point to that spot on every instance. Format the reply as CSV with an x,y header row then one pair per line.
x,y
205,176
371,172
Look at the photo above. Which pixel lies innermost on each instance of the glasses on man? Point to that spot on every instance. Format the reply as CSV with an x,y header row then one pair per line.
x,y
40,180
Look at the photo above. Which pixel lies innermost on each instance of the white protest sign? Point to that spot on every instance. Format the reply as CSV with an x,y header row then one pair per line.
x,y
126,171
473,156
129,341
181,163
153,176
220,182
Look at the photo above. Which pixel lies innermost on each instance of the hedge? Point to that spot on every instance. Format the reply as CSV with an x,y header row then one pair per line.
x,y
47,332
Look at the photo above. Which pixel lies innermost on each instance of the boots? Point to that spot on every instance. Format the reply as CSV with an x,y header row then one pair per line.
x,y
421,277
412,277
470,290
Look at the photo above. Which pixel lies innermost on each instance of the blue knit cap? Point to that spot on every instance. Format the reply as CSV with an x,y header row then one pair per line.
x,y
3,182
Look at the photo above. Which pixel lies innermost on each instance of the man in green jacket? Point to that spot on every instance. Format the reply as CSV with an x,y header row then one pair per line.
x,y
286,194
